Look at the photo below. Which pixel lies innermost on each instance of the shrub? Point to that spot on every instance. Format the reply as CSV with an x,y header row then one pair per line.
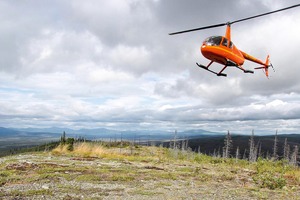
x,y
269,174
269,180
70,143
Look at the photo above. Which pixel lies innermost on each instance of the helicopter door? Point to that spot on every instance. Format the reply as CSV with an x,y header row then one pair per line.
x,y
225,43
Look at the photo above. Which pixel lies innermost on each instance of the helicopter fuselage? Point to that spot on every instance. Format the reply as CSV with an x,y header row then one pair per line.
x,y
219,49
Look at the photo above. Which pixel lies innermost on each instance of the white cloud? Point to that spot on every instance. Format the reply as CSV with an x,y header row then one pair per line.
x,y
113,64
134,59
53,51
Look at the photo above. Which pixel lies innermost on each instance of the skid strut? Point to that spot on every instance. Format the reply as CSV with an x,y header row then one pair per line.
x,y
206,68
245,70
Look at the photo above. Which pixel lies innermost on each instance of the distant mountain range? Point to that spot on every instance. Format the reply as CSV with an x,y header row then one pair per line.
x,y
11,138
207,141
100,133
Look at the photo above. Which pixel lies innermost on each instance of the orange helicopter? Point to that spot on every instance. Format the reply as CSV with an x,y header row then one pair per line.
x,y
220,49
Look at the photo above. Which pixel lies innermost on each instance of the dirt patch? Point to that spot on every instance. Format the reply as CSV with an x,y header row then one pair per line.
x,y
24,166
154,167
85,158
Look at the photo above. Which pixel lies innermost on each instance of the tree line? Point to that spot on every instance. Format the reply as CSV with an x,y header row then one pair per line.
x,y
289,153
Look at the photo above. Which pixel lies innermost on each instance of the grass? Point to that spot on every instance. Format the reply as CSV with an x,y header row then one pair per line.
x,y
145,171
264,173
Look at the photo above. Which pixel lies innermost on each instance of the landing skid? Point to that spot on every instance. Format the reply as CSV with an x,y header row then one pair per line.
x,y
206,68
245,70
249,71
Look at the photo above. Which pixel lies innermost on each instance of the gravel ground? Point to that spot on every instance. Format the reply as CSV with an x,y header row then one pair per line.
x,y
44,176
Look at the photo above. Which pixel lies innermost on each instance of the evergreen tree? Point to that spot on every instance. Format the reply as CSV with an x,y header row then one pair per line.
x,y
70,143
63,138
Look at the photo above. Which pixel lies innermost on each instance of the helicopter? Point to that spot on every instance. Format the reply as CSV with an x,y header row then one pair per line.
x,y
220,49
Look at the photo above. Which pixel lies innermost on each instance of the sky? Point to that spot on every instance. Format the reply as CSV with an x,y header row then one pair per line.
x,y
111,64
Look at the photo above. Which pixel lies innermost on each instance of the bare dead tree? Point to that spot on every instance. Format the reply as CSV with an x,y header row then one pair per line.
x,y
252,149
286,150
275,156
268,155
227,147
244,155
187,143
214,153
183,145
217,153
175,140
237,154
259,153
294,156
199,149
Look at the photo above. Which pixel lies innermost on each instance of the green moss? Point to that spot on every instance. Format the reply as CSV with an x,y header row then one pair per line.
x,y
28,193
122,177
89,178
145,192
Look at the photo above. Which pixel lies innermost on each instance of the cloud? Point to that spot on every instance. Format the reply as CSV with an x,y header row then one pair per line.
x,y
113,64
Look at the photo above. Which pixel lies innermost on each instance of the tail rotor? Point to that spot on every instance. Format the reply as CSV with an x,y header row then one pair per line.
x,y
266,67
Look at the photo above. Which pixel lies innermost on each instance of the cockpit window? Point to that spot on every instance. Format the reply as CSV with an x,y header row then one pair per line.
x,y
213,41
225,43
230,45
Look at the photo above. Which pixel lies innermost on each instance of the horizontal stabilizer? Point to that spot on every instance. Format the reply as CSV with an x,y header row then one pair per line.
x,y
260,67
266,67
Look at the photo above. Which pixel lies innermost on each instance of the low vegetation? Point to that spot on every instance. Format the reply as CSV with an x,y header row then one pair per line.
x,y
91,170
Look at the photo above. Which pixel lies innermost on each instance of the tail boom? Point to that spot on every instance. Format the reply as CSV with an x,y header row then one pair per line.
x,y
265,65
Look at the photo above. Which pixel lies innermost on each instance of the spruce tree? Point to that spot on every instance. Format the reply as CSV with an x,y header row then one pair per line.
x,y
63,138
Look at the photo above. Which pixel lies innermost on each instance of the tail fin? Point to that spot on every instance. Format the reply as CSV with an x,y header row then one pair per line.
x,y
266,67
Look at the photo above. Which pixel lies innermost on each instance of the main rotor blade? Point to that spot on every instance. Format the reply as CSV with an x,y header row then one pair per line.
x,y
268,13
236,21
197,29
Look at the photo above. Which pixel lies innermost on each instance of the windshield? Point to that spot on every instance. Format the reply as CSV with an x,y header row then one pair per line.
x,y
213,41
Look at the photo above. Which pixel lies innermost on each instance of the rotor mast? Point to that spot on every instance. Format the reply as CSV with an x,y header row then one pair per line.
x,y
228,31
